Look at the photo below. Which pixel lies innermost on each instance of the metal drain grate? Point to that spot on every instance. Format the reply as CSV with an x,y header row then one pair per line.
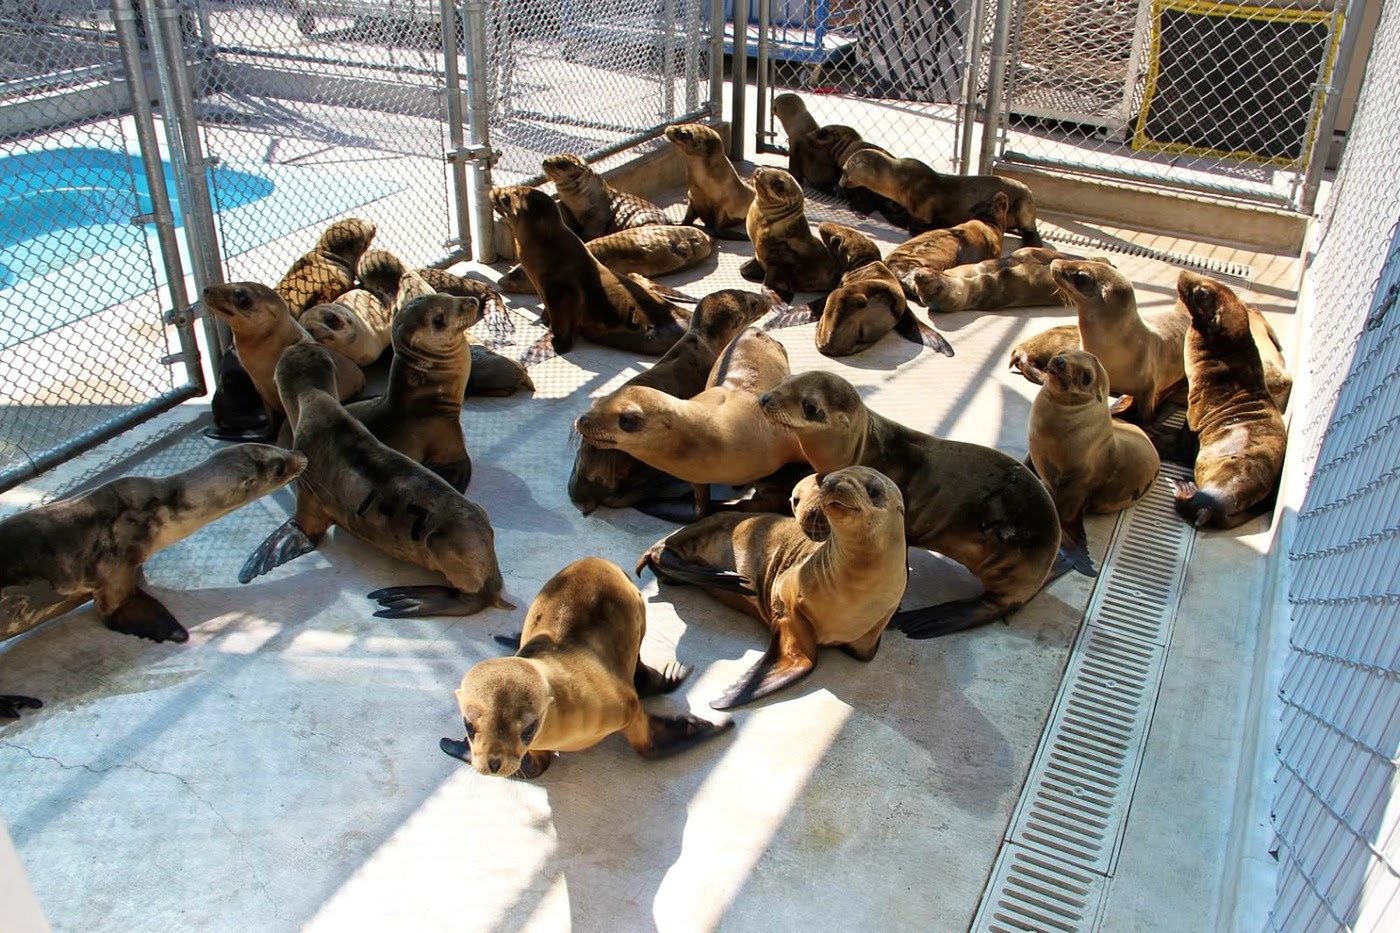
x,y
1073,810
1236,275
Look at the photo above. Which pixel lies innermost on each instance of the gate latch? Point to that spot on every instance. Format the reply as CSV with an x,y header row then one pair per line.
x,y
474,153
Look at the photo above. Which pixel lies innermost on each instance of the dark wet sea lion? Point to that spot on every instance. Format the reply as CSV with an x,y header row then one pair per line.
x,y
804,164
91,546
971,241
971,503
1241,433
577,678
833,575
593,207
834,145
381,497
652,250
715,194
787,257
328,270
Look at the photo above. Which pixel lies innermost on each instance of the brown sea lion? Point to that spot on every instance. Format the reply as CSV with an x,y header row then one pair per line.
x,y
91,546
804,164
787,258
971,503
832,146
396,285
450,283
833,575
1021,280
263,327
1030,356
935,200
582,296
1143,357
1241,433
1276,376
718,436
328,270
356,325
420,412
577,678
715,194
971,241
1091,463
617,480
653,250
592,207
381,497
494,375
868,303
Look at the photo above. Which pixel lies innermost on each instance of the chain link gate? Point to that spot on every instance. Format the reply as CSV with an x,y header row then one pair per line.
x,y
86,348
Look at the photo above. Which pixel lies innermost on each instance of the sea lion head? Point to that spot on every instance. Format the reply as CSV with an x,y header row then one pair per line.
x,y
777,192
335,326
862,167
787,106
993,210
851,322
1076,376
435,325
824,411
1216,311
834,139
851,498
940,292
303,367
503,702
1091,286
524,202
567,171
626,419
721,316
695,139
244,472
381,272
347,239
247,307
848,246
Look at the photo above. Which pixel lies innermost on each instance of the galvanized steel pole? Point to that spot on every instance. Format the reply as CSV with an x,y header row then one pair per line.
x,y
479,114
996,85
452,88
762,116
739,79
971,64
717,60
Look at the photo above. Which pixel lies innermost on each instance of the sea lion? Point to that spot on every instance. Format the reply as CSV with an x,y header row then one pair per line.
x,y
327,271
718,436
1091,463
1143,357
420,412
833,575
355,325
263,327
971,241
1030,356
1021,280
582,296
495,375
972,503
805,164
92,546
935,200
1276,376
868,303
715,194
787,257
577,678
396,285
381,497
592,207
832,146
449,283
617,480
653,250
1241,433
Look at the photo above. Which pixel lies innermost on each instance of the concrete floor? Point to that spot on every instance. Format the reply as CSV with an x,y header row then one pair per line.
x,y
281,769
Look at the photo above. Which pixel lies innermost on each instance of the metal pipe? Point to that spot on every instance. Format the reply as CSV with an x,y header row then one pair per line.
x,y
452,88
162,217
996,83
763,118
690,55
665,66
479,115
971,64
716,60
1332,104
1019,158
739,79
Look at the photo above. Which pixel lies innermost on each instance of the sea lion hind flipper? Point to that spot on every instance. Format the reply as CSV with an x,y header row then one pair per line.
x,y
403,602
650,682
790,657
728,233
287,543
143,615
541,350
669,568
792,316
916,331
752,271
1074,552
12,703
946,618
508,641
673,734
456,748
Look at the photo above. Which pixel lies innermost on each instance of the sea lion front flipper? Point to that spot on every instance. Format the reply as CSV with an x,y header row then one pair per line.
x,y
1121,405
12,703
916,331
650,682
752,270
1074,547
404,602
670,735
947,618
456,749
729,233
669,568
508,641
142,615
287,543
791,655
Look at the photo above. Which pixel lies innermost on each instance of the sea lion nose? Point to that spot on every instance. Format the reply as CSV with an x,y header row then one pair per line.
x,y
829,482
494,764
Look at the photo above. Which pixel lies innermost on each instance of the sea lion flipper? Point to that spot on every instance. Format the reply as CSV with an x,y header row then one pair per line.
x,y
508,641
651,682
143,615
791,655
752,270
1121,405
728,233
456,749
916,331
402,602
457,475
11,704
541,350
673,734
669,568
287,543
1074,549
946,618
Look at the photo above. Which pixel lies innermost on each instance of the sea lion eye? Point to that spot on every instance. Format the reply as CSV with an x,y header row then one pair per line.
x,y
528,733
629,422
1087,378
471,730
876,491
1081,277
241,298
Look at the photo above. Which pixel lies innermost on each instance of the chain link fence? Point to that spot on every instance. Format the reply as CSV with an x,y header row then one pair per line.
x,y
1218,97
85,350
1335,812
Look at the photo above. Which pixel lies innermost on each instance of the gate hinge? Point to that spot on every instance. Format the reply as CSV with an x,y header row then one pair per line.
x,y
472,154
180,317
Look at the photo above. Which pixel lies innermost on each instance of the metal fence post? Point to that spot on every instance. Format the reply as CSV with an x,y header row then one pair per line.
x,y
996,84
666,53
479,114
690,56
972,64
1332,105
717,60
452,88
739,78
762,117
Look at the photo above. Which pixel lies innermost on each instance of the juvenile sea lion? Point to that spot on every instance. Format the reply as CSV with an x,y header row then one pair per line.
x,y
868,303
971,241
787,257
1242,437
718,436
1031,356
617,480
590,205
935,200
355,325
1091,463
449,283
263,327
495,375
582,296
380,496
396,285
715,194
804,164
1143,357
1021,280
653,250
420,412
972,503
92,546
833,575
1276,376
328,270
832,146
577,678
